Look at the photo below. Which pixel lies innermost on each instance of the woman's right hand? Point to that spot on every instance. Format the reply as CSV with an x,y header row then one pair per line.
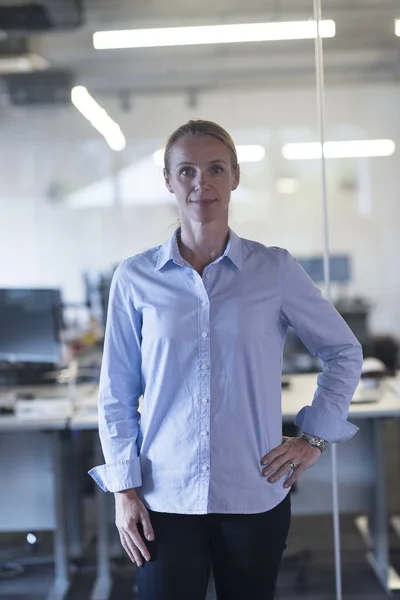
x,y
129,512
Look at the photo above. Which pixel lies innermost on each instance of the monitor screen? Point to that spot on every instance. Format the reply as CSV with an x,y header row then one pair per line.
x,y
339,268
30,323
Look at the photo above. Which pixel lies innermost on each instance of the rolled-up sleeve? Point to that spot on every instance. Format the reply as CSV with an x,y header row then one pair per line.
x,y
119,391
328,337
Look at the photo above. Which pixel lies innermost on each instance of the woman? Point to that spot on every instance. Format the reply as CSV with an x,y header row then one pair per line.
x,y
197,327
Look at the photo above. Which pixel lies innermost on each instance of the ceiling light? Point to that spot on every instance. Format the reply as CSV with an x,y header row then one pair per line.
x,y
348,149
98,117
158,158
287,185
245,154
252,153
397,27
212,34
22,63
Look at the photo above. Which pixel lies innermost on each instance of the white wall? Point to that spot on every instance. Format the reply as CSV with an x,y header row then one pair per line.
x,y
47,155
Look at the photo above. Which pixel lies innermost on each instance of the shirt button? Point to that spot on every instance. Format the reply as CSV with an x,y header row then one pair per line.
x,y
205,367
204,334
204,468
204,400
204,303
208,276
204,433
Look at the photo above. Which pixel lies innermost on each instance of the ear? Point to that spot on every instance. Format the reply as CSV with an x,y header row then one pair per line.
x,y
167,180
236,178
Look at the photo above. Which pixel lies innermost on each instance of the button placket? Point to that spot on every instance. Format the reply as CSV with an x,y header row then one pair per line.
x,y
204,393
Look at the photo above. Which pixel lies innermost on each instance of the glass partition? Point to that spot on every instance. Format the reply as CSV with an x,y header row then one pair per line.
x,y
71,208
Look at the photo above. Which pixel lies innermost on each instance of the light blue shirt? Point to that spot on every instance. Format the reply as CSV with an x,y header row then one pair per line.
x,y
205,352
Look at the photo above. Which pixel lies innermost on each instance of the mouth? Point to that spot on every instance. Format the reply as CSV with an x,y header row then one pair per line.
x,y
204,201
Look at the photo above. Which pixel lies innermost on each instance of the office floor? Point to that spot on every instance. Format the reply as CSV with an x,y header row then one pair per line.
x,y
310,534
314,534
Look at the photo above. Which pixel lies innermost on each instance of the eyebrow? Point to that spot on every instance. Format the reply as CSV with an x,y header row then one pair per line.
x,y
215,160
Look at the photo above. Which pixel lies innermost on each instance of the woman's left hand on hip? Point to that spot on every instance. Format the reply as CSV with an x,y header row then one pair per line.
x,y
294,454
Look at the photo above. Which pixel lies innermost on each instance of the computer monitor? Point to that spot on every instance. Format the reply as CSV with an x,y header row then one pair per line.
x,y
105,287
30,324
339,268
92,281
97,292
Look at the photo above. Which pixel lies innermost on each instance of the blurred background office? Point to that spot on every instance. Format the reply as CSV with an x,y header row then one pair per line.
x,y
83,117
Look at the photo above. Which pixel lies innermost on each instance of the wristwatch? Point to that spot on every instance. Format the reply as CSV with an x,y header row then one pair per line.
x,y
315,441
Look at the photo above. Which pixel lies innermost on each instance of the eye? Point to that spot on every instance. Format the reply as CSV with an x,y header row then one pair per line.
x,y
186,171
216,169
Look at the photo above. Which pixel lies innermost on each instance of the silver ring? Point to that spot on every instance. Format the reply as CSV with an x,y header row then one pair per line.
x,y
293,466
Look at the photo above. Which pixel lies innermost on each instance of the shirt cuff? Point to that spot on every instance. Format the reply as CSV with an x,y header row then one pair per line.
x,y
119,476
320,423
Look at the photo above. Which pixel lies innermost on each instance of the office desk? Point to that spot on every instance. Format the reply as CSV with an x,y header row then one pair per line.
x,y
34,461
361,475
302,388
85,419
32,498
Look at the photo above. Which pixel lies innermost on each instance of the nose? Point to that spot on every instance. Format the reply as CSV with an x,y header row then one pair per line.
x,y
201,181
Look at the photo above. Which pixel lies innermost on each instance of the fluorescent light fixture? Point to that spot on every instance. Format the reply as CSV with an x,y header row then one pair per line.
x,y
252,153
397,27
22,63
212,34
348,149
158,157
287,185
98,117
245,154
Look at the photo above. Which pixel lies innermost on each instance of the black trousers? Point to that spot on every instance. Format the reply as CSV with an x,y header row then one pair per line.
x,y
245,552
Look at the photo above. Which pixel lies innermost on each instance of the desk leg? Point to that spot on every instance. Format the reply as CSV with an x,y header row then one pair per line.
x,y
375,533
61,581
102,586
73,507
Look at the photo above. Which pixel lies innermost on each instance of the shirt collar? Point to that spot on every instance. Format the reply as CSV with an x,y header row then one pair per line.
x,y
234,250
170,251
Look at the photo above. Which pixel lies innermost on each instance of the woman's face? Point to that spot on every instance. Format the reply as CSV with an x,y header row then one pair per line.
x,y
201,177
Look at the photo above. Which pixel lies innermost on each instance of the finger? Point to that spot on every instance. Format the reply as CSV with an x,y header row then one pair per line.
x,y
277,464
294,477
284,470
133,550
274,454
128,550
137,540
148,530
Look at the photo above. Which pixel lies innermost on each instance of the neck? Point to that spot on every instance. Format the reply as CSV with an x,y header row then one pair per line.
x,y
202,243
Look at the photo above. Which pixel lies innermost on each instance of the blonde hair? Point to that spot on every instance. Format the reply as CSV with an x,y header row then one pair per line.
x,y
200,127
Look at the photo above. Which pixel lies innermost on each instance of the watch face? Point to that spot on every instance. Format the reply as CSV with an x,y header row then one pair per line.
x,y
316,441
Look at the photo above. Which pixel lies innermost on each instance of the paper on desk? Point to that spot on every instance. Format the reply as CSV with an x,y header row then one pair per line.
x,y
395,385
366,392
48,408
